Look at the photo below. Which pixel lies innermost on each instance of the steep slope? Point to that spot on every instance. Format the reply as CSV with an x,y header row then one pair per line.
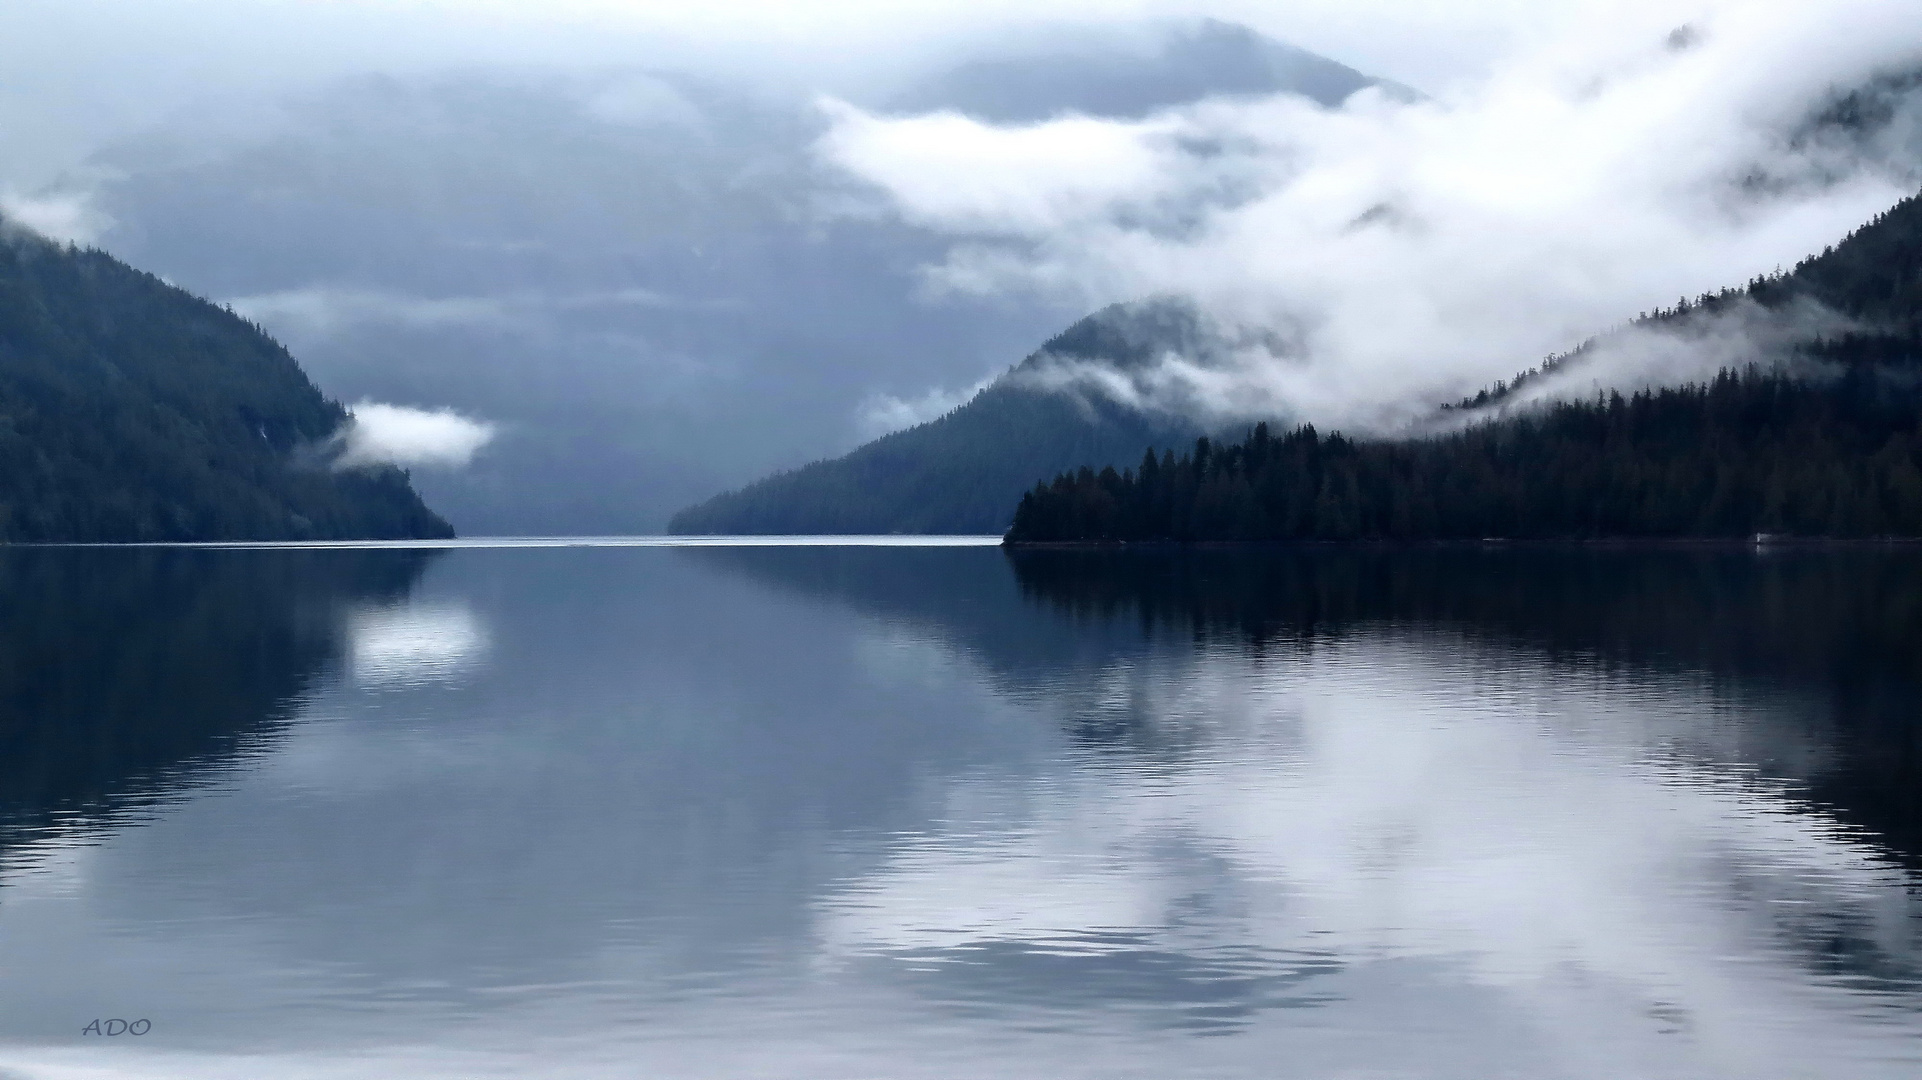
x,y
963,472
133,411
1874,276
1827,442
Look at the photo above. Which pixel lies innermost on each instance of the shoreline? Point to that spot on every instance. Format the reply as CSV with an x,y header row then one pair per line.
x,y
1766,542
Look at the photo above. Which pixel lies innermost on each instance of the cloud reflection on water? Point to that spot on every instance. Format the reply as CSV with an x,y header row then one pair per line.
x,y
414,642
1401,799
900,812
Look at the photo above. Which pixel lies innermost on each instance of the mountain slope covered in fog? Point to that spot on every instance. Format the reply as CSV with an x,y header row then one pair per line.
x,y
133,411
1825,443
963,472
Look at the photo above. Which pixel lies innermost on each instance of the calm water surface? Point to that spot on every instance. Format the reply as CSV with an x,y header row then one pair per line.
x,y
841,812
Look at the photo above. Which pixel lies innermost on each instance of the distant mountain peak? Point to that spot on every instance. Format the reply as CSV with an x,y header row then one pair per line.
x,y
1182,62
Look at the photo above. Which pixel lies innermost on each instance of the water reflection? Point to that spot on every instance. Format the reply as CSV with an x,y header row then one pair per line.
x,y
132,674
1598,785
413,642
835,812
1829,643
1356,812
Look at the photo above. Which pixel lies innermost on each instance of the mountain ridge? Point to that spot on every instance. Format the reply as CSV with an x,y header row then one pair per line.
x,y
133,411
1824,441
962,472
1185,63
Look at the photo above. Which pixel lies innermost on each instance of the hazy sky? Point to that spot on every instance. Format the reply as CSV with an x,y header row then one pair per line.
x,y
80,71
485,234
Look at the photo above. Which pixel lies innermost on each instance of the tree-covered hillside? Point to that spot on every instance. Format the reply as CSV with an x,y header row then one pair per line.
x,y
1830,445
1669,463
963,472
133,411
1751,452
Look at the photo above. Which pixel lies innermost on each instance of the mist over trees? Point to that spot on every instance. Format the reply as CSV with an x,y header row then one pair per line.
x,y
1827,444
1750,452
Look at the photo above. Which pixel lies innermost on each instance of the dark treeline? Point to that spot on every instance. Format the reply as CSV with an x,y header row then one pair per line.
x,y
1835,631
1833,450
1750,452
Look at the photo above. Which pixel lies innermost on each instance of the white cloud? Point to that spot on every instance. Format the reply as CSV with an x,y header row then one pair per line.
x,y
949,170
84,71
1343,806
325,309
397,435
67,216
881,414
1385,257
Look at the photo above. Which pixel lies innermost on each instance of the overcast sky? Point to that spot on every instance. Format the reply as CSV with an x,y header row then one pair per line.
x,y
79,71
1573,162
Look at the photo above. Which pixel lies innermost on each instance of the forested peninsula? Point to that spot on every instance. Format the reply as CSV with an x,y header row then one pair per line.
x,y
131,410
1826,444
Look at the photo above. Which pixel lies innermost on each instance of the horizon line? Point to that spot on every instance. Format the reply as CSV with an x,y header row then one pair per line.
x,y
504,542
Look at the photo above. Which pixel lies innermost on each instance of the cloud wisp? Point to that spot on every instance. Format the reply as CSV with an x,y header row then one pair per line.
x,y
327,309
67,216
380,434
1367,263
882,414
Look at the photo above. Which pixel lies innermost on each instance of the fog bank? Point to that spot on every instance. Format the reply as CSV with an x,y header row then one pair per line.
x,y
1366,263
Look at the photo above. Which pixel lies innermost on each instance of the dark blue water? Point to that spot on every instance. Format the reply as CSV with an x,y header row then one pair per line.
x,y
840,812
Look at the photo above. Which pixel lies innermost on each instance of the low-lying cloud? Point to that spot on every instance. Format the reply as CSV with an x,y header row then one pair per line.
x,y
1364,264
68,216
381,434
881,414
1691,347
326,308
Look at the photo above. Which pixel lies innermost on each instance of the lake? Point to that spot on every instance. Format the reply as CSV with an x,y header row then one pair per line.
x,y
876,811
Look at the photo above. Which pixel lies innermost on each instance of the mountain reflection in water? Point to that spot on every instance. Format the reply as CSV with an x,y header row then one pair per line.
x,y
128,675
828,812
1839,631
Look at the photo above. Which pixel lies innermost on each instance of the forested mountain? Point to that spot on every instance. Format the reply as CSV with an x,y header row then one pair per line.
x,y
1827,445
133,411
963,472
648,277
